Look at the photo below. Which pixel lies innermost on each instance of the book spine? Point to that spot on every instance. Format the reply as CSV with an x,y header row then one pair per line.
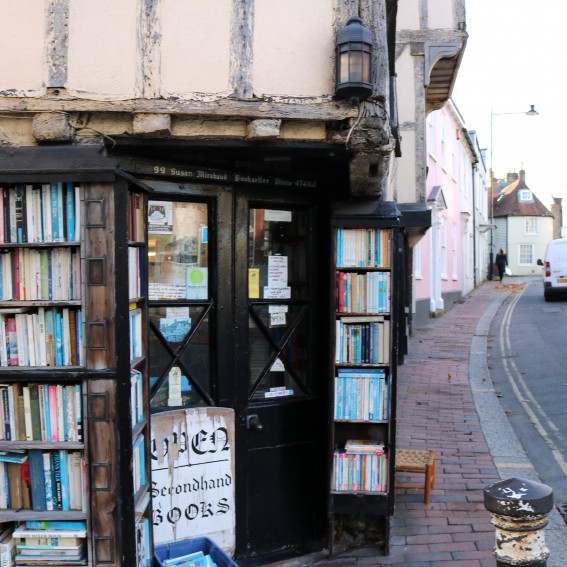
x,y
21,338
35,412
53,414
30,214
56,525
78,213
43,411
70,211
35,459
58,339
70,417
12,410
4,345
60,409
7,552
5,412
54,212
79,412
48,481
46,212
20,427
12,341
61,212
56,479
16,255
66,337
50,337
19,206
12,215
42,337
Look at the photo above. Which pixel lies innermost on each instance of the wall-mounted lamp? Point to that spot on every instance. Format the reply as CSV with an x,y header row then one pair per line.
x,y
354,61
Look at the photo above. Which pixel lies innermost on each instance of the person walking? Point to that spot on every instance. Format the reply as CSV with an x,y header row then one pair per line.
x,y
501,263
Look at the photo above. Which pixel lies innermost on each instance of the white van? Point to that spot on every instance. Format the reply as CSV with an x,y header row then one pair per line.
x,y
555,268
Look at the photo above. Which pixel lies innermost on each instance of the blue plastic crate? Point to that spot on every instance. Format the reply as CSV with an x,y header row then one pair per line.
x,y
186,546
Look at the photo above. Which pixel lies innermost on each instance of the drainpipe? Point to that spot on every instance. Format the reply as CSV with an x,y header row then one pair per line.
x,y
475,269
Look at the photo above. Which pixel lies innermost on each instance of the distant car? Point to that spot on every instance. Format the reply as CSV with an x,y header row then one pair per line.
x,y
554,268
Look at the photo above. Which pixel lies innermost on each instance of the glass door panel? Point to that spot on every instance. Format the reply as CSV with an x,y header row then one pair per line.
x,y
178,250
180,301
278,299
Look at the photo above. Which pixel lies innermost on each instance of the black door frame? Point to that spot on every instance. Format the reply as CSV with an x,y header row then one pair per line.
x,y
246,198
228,214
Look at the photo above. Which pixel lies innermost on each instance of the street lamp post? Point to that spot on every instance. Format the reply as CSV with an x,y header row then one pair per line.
x,y
531,112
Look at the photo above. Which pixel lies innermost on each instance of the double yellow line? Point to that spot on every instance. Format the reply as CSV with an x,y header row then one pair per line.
x,y
522,392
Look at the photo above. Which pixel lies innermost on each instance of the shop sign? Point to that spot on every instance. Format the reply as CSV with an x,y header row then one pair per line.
x,y
193,481
202,175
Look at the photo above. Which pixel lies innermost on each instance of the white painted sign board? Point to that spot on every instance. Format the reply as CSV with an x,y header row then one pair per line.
x,y
193,476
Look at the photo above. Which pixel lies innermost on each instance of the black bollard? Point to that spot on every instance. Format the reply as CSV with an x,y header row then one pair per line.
x,y
519,510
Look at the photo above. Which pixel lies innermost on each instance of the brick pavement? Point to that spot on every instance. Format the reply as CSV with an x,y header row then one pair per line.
x,y
436,410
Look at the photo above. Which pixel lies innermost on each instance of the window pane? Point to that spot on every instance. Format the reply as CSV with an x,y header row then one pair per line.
x,y
277,254
279,329
178,250
526,254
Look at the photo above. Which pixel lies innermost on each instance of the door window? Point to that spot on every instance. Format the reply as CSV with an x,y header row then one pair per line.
x,y
180,302
279,307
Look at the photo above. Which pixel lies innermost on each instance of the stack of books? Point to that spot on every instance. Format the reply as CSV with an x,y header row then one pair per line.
x,y
197,559
361,466
43,543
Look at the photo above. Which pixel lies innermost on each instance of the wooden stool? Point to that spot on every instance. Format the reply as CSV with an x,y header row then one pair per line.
x,y
423,462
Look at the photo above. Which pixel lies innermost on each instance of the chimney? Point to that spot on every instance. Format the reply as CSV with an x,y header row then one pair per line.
x,y
523,176
511,177
557,212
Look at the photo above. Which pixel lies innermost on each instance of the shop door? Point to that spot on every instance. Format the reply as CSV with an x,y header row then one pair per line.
x,y
279,338
248,332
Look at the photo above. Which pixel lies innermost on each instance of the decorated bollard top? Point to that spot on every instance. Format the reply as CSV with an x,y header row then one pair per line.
x,y
518,498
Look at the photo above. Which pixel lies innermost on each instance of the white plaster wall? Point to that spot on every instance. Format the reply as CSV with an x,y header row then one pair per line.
x,y
293,51
406,173
195,49
406,86
102,48
408,15
406,170
21,45
440,14
517,236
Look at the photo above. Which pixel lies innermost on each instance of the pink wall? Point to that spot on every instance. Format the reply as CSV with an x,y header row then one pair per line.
x,y
444,159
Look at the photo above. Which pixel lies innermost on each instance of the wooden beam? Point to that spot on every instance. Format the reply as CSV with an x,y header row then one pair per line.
x,y
226,108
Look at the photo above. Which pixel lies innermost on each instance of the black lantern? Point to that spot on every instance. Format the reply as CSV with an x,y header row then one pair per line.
x,y
354,61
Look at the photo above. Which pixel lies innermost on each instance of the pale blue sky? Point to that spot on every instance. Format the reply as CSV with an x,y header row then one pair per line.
x,y
516,56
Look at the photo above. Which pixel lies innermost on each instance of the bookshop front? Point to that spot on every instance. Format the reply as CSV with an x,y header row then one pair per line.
x,y
199,283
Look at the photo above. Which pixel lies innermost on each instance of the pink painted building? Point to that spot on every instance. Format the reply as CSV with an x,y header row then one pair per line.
x,y
445,258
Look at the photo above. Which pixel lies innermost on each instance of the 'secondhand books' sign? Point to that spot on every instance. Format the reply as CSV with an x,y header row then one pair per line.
x,y
193,476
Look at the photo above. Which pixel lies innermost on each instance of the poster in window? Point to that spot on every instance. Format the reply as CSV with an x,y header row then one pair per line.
x,y
160,217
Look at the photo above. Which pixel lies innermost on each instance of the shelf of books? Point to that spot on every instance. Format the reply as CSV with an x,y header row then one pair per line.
x,y
74,425
44,493
363,373
139,397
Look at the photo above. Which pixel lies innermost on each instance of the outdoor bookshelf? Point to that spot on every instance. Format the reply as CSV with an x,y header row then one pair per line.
x,y
363,369
74,414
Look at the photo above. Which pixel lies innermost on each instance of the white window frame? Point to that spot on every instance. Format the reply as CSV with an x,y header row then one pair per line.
x,y
443,248
525,196
417,261
432,138
531,226
522,248
443,144
454,259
